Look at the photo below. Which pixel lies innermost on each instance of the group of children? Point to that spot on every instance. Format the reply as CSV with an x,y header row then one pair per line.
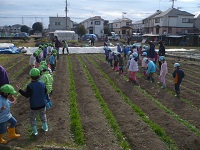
x,y
138,56
38,91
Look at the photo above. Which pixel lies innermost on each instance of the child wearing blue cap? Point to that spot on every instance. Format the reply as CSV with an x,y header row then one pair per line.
x,y
178,75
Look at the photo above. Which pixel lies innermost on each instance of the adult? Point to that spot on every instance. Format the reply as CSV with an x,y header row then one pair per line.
x,y
151,52
105,41
57,45
128,40
92,40
3,76
5,80
161,52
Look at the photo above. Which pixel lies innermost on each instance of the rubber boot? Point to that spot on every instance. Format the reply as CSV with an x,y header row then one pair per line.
x,y
2,141
45,127
12,134
35,131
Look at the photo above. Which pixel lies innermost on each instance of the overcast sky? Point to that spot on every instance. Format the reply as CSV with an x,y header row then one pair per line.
x,y
28,12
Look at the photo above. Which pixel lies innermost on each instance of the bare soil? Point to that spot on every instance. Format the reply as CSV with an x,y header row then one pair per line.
x,y
97,131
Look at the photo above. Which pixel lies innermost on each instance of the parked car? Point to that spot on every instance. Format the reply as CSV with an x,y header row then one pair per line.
x,y
22,34
87,37
114,37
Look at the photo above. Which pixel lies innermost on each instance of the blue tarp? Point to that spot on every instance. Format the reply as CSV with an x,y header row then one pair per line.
x,y
8,48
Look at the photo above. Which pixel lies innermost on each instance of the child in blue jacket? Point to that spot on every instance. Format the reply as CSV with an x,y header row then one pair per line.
x,y
151,69
6,117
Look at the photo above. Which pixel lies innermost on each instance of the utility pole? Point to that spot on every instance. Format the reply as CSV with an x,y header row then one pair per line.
x,y
66,14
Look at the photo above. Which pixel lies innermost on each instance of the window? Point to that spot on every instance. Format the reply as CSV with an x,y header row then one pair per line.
x,y
157,20
116,25
186,20
57,23
183,31
128,23
97,22
91,23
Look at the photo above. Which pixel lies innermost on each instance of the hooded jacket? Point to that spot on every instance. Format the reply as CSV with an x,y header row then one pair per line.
x,y
151,67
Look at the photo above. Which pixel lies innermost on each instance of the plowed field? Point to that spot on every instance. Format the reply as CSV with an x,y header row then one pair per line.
x,y
95,107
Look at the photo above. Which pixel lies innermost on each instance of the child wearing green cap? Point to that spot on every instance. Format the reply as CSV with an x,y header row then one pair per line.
x,y
6,117
36,92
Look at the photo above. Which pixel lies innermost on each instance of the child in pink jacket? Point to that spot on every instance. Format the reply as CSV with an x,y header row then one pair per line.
x,y
163,71
133,67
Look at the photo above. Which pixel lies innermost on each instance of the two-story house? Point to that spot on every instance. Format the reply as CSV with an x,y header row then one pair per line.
x,y
173,21
60,23
137,26
122,26
197,23
148,23
94,25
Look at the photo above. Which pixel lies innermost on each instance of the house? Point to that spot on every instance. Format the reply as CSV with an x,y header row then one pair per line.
x,y
197,23
94,25
122,26
148,23
137,26
173,21
59,23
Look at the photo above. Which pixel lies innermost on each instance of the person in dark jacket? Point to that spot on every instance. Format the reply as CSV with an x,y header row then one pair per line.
x,y
151,52
161,52
36,92
92,40
57,45
3,76
178,75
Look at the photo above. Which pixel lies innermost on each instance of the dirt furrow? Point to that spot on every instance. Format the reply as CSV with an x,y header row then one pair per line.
x,y
98,133
183,137
136,131
58,115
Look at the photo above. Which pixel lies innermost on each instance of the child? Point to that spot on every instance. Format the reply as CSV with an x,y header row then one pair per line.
x,y
106,49
128,64
121,64
47,79
52,61
119,49
151,69
178,75
125,50
116,61
163,71
133,68
65,45
110,57
144,65
7,90
32,60
36,92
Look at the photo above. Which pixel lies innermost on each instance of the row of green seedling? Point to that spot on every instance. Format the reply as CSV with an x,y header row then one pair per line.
x,y
155,127
170,91
76,126
11,66
111,119
146,94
